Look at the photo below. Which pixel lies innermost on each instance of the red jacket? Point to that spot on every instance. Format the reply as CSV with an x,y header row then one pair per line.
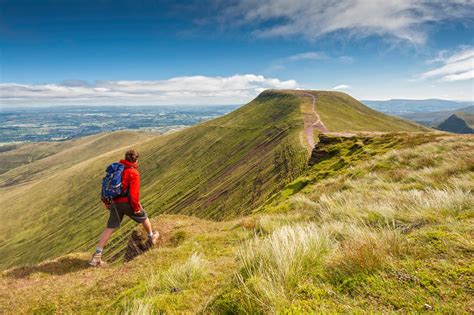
x,y
131,183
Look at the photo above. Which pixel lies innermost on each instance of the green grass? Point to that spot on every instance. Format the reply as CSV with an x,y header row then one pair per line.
x,y
390,232
33,161
248,173
341,112
219,169
386,247
15,155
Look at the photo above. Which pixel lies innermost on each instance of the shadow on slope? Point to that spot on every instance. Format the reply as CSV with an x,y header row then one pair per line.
x,y
63,265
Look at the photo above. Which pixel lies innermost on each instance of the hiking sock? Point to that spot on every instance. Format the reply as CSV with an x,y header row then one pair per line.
x,y
150,235
98,250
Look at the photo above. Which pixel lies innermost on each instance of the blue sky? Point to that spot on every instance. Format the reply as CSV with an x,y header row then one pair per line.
x,y
226,52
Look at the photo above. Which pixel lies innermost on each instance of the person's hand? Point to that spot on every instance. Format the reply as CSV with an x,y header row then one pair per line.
x,y
106,204
139,210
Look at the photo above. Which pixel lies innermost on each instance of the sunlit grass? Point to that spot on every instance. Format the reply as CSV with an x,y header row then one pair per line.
x,y
351,233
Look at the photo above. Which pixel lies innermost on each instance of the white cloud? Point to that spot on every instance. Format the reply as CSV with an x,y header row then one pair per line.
x,y
281,63
310,55
456,67
342,87
401,19
179,90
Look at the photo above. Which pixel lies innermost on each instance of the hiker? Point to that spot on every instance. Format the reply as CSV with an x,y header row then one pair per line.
x,y
127,202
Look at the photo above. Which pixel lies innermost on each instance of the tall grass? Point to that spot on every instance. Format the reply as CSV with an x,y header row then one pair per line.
x,y
273,266
137,308
355,224
180,276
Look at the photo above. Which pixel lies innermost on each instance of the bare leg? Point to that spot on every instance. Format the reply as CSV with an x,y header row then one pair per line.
x,y
147,226
105,237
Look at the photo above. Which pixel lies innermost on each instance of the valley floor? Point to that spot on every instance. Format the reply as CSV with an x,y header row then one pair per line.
x,y
377,224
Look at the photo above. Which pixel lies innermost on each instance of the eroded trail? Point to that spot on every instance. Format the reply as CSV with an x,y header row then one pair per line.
x,y
310,124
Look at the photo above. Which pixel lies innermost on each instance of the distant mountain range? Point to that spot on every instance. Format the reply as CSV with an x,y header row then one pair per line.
x,y
444,115
401,106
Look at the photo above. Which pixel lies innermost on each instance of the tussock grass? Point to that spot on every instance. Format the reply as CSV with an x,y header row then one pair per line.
x,y
365,250
179,276
357,236
272,266
137,308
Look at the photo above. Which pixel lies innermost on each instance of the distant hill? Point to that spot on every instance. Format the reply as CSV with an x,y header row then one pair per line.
x,y
404,106
459,122
434,118
12,156
341,112
220,169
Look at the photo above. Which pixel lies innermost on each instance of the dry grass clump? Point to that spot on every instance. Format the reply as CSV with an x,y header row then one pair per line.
x,y
272,266
137,308
366,250
180,275
266,224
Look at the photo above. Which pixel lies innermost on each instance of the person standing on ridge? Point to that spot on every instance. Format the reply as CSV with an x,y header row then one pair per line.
x,y
126,203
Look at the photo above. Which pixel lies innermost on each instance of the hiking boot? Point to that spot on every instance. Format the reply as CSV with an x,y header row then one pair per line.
x,y
96,260
154,239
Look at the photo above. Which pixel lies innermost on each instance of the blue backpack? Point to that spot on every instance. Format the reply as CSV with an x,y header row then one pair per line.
x,y
112,182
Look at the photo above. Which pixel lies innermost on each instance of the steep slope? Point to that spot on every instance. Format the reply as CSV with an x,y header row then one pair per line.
x,y
388,231
218,170
458,123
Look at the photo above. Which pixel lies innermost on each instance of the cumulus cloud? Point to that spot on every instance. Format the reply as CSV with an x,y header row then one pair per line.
x,y
455,67
401,19
179,90
342,87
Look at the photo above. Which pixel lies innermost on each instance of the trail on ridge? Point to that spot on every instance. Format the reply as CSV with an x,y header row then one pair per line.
x,y
309,126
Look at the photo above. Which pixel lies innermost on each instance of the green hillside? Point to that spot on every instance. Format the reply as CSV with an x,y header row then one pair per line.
x,y
18,166
380,223
14,155
341,112
220,169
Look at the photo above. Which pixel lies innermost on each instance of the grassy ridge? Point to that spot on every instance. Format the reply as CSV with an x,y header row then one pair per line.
x,y
218,169
406,198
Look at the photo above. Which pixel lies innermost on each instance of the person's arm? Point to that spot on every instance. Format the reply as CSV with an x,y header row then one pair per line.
x,y
134,191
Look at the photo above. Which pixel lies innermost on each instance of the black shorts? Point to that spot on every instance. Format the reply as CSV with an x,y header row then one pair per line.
x,y
118,210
